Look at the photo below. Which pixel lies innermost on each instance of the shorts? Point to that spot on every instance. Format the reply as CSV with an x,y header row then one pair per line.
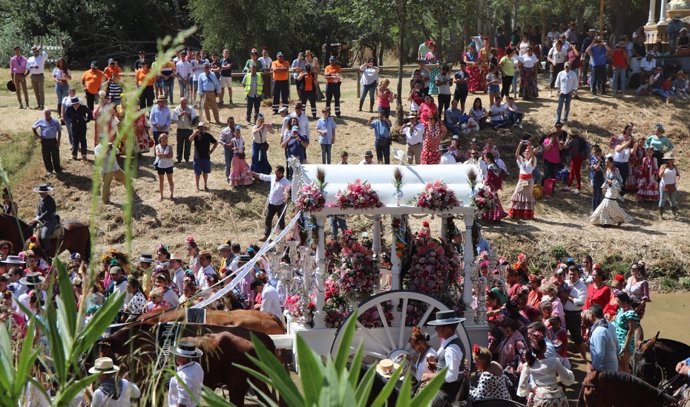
x,y
162,171
494,88
226,81
201,165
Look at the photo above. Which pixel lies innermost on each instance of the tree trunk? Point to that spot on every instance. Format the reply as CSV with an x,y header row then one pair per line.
x,y
401,52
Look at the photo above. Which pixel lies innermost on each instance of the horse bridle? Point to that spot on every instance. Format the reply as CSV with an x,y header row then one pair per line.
x,y
656,365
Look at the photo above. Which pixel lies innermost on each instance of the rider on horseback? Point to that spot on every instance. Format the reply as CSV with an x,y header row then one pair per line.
x,y
46,216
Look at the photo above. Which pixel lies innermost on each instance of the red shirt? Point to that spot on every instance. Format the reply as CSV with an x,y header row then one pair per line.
x,y
620,59
601,296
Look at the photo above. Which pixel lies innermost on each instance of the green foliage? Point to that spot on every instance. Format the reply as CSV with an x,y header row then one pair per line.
x,y
668,284
330,382
559,252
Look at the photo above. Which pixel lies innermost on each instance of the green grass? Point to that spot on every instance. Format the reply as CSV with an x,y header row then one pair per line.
x,y
16,153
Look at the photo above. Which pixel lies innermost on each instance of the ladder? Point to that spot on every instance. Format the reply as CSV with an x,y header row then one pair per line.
x,y
166,340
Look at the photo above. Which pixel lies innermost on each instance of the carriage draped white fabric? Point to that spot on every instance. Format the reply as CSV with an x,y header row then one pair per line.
x,y
380,177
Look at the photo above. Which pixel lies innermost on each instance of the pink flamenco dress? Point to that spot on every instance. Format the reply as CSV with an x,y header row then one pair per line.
x,y
239,174
432,139
647,185
636,156
494,181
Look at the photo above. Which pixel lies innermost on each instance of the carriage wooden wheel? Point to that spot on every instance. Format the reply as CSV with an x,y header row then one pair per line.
x,y
385,321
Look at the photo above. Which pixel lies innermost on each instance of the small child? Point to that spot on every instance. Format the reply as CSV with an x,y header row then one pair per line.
x,y
514,112
493,80
558,335
680,86
156,301
343,158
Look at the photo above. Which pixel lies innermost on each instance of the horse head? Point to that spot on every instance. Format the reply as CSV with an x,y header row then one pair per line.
x,y
645,361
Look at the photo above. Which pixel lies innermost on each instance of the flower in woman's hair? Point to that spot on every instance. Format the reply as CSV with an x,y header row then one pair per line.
x,y
475,348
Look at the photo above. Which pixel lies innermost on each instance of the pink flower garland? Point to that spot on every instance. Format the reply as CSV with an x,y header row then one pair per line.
x,y
310,199
437,197
358,195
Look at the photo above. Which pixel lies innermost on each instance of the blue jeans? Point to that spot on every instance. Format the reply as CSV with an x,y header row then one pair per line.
x,y
61,91
383,151
326,153
624,169
619,75
596,194
228,161
671,196
563,99
337,222
370,89
168,88
663,93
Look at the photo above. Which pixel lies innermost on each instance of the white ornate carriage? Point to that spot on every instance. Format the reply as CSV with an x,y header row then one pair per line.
x,y
389,339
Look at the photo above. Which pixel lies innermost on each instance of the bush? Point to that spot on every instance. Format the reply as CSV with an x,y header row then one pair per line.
x,y
684,283
559,252
668,284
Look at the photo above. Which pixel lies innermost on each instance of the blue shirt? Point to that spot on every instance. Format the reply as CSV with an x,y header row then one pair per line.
x,y
453,117
328,125
49,129
382,130
296,149
160,118
208,83
603,346
598,55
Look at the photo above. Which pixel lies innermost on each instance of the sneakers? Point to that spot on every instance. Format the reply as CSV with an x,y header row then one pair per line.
x,y
566,188
576,191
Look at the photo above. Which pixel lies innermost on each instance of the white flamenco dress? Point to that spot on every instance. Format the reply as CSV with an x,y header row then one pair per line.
x,y
609,212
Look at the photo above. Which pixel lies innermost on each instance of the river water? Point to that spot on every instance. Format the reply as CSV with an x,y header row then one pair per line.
x,y
669,314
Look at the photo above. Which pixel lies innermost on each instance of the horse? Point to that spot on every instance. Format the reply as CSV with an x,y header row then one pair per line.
x,y
655,360
134,347
250,319
612,388
76,237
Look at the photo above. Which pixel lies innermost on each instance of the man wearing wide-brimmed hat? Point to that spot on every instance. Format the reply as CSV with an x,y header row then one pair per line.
x,y
112,391
160,118
449,356
185,387
32,281
46,216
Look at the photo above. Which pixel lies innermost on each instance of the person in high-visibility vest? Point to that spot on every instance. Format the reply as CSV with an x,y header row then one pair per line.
x,y
253,88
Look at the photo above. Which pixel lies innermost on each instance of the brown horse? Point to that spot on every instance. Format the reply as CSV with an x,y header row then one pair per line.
x,y
656,359
76,239
253,320
133,346
609,388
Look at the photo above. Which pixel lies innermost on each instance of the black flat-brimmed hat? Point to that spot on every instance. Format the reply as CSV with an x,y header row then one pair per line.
x,y
444,318
32,279
45,188
11,87
187,350
146,258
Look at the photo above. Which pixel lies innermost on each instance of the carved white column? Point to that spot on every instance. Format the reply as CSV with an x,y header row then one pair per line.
x,y
662,13
319,315
395,260
376,231
468,257
652,12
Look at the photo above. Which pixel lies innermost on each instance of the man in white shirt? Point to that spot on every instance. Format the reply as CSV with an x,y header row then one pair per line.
x,y
32,282
575,296
647,67
498,114
449,356
109,169
414,136
185,387
557,56
280,187
368,158
36,63
112,390
446,157
186,119
178,272
205,270
270,301
566,83
183,71
302,119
